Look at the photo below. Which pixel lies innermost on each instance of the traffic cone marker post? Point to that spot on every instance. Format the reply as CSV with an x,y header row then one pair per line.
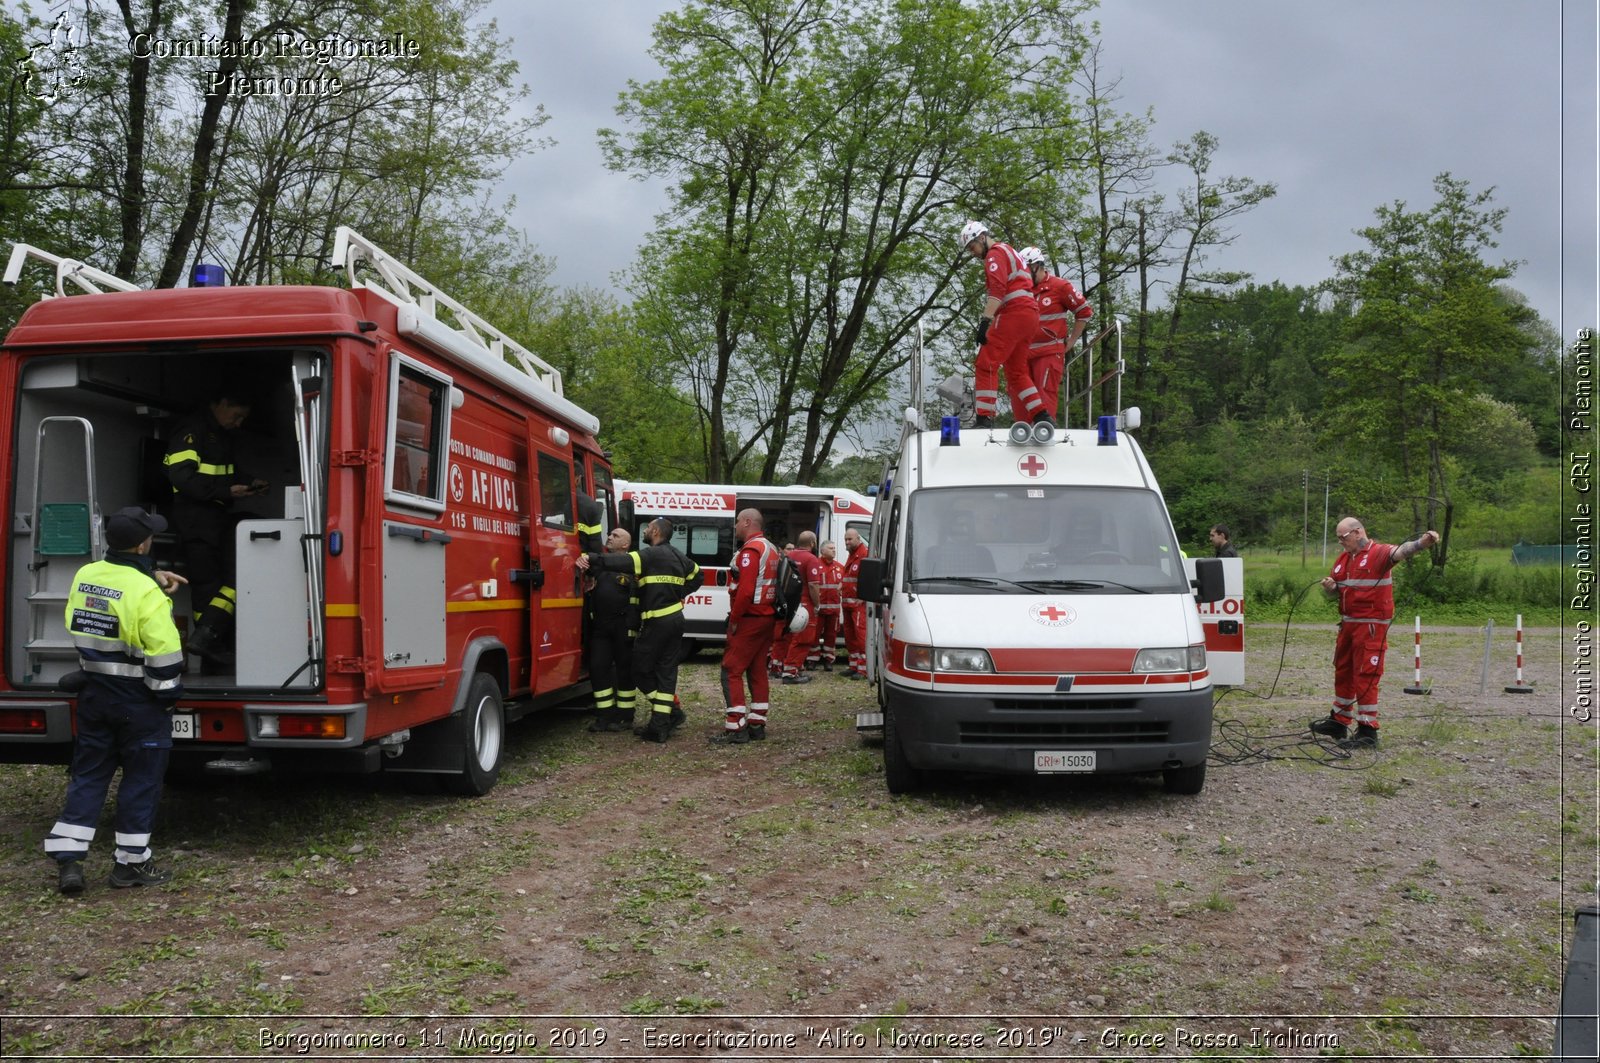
x,y
1519,687
1416,686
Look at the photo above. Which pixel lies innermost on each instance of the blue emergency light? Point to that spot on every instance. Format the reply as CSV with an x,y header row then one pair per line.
x,y
207,275
1108,430
949,431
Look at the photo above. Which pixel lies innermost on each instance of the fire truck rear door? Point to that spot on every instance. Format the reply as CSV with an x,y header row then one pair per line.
x,y
557,605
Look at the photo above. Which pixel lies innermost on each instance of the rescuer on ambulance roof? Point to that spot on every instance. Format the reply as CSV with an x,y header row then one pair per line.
x,y
665,577
205,485
1058,301
130,664
1009,323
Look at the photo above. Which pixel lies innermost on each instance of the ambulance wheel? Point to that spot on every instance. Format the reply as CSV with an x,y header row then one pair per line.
x,y
898,774
483,732
1190,780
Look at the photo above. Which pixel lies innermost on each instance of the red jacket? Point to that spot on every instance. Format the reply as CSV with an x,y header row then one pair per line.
x,y
1058,300
752,579
850,587
1366,588
1005,277
832,583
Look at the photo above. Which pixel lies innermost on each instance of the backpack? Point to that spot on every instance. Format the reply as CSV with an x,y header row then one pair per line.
x,y
788,588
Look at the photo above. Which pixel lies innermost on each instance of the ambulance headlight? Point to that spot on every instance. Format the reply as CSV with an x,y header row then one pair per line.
x,y
945,660
1172,659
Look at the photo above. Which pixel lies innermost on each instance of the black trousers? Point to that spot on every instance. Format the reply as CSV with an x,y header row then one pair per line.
x,y
655,660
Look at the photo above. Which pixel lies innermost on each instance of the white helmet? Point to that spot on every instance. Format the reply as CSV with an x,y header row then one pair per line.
x,y
971,231
798,622
1031,257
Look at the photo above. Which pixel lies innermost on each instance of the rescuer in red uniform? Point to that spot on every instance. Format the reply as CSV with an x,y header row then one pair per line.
x,y
830,607
752,590
855,610
1009,323
1361,580
803,643
1063,315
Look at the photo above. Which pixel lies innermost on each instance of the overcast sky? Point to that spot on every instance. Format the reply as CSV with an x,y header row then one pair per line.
x,y
1345,106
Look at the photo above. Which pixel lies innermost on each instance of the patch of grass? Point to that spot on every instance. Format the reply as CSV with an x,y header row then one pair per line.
x,y
1216,902
1378,786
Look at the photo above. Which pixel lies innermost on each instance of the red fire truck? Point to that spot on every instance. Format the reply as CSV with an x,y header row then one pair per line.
x,y
405,587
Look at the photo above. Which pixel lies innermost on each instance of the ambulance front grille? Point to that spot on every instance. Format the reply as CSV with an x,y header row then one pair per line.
x,y
988,733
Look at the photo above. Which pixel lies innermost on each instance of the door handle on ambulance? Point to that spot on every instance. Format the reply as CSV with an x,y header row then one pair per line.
x,y
273,535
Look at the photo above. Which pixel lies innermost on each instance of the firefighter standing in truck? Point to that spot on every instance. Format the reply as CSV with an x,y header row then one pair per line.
x,y
1058,301
130,675
665,578
1362,582
205,485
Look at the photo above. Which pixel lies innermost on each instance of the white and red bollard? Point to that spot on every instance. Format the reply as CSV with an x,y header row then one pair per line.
x,y
1520,687
1416,686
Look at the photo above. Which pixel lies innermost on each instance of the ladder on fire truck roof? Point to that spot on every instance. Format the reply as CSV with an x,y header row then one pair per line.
x,y
406,288
89,280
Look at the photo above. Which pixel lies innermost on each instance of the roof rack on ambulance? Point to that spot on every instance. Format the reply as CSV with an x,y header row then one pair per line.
x,y
420,303
89,280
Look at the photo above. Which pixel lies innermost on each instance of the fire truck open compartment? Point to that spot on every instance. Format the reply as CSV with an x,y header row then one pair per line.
x,y
90,434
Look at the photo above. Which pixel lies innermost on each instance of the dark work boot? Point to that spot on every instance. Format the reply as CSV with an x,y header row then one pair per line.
x,y
1366,737
983,422
206,641
658,729
1330,727
69,879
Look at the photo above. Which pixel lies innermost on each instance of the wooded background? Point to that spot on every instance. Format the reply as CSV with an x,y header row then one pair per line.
x,y
821,156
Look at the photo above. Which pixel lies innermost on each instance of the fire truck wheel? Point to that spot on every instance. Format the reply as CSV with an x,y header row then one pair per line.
x,y
483,732
898,774
1190,780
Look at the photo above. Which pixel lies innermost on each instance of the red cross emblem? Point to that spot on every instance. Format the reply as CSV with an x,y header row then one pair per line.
x,y
1032,466
1051,613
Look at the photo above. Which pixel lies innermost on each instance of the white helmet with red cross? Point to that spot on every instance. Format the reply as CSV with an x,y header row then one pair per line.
x,y
1031,257
971,231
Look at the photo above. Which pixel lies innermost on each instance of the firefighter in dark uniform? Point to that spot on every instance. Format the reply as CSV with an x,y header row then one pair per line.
x,y
130,662
613,603
665,577
205,485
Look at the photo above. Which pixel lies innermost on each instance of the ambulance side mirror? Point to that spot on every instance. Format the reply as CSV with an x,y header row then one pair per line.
x,y
869,580
1207,582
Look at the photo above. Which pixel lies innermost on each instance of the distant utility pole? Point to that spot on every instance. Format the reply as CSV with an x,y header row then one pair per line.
x,y
1324,520
1305,512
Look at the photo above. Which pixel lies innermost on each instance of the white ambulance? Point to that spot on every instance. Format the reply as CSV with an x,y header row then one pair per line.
x,y
1033,609
702,517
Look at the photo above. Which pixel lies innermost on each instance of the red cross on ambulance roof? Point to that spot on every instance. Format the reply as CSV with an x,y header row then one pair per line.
x,y
1031,466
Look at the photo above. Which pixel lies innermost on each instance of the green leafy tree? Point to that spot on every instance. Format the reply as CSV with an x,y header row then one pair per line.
x,y
1428,328
822,154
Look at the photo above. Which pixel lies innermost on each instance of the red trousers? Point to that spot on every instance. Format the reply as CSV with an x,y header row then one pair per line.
x,y
855,636
801,644
1045,369
746,654
1009,337
828,635
1357,668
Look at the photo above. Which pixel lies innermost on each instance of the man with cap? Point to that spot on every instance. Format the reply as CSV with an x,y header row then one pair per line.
x,y
130,659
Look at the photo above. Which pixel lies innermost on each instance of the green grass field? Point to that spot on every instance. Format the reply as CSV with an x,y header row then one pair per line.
x,y
1474,586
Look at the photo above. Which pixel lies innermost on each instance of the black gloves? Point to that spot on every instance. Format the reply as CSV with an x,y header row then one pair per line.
x,y
983,331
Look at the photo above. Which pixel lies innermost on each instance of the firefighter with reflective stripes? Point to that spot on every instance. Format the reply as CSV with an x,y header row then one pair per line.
x,y
205,484
130,663
752,591
1363,582
1063,315
830,607
665,578
1009,323
855,610
613,603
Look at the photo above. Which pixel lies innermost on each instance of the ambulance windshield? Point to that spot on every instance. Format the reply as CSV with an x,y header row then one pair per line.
x,y
1031,540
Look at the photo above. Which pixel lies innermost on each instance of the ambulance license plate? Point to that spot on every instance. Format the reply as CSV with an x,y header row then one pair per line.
x,y
1051,761
184,725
